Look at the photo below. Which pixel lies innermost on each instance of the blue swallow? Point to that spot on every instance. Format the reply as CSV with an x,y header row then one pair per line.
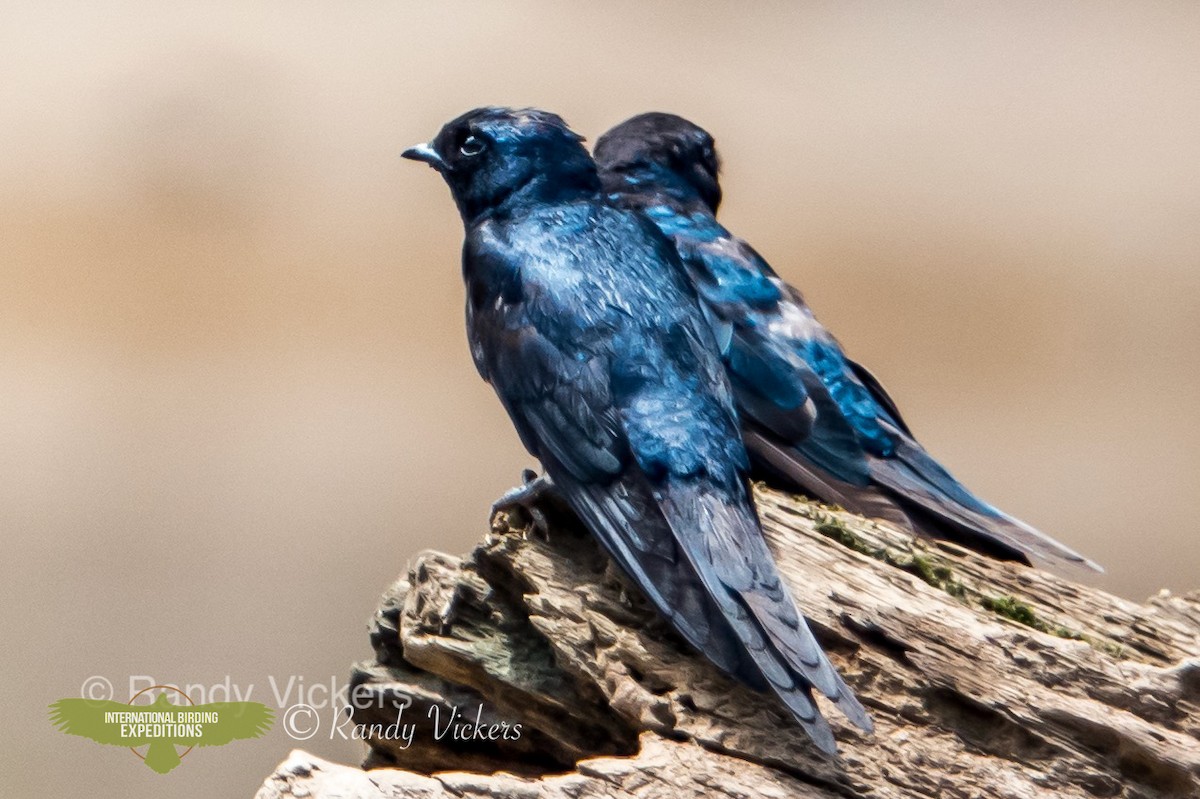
x,y
581,317
813,420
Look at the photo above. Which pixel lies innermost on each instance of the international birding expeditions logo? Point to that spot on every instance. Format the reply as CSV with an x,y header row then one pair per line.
x,y
161,722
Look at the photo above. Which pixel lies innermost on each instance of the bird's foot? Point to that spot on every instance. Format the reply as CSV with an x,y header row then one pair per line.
x,y
524,500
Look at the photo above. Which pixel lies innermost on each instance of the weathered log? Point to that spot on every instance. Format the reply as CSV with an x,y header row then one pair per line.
x,y
985,679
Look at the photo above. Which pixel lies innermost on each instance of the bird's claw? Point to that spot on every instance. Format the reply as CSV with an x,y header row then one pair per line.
x,y
524,500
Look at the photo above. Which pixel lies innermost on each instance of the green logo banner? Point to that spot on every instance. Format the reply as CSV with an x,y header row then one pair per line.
x,y
161,726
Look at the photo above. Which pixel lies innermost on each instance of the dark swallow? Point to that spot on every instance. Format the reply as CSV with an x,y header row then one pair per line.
x,y
813,420
580,316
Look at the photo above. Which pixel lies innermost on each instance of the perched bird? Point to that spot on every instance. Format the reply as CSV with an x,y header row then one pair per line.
x,y
812,418
581,318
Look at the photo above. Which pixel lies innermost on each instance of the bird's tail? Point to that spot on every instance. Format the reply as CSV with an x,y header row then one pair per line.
x,y
625,518
161,756
680,545
916,494
720,536
922,485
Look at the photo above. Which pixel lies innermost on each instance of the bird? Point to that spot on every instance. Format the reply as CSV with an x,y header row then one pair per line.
x,y
580,317
814,420
160,725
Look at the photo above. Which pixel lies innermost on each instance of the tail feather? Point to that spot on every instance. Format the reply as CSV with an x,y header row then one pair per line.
x,y
915,493
681,546
721,537
626,521
916,478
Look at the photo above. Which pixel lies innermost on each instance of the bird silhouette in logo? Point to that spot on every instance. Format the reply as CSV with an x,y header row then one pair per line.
x,y
109,722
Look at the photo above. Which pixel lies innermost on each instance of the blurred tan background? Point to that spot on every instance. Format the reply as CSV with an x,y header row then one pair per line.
x,y
235,396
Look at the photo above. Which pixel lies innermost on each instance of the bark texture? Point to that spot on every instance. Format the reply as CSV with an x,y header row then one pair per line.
x,y
985,679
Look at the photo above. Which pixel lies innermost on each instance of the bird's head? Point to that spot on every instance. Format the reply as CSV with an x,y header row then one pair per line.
x,y
496,159
664,152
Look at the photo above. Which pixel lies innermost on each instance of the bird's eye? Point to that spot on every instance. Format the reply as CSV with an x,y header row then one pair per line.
x,y
472,145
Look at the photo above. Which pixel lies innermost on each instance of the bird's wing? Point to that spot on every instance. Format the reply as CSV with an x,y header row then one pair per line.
x,y
920,487
777,362
683,434
769,389
922,484
858,451
235,720
782,463
790,374
561,403
79,716
563,408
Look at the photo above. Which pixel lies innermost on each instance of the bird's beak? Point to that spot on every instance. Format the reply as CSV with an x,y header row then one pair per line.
x,y
423,152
